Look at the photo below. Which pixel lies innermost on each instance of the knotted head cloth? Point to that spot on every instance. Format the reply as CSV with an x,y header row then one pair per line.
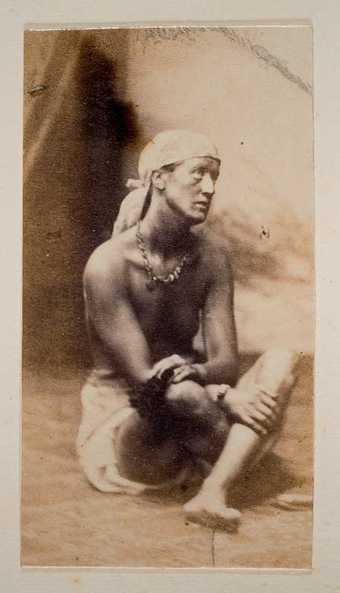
x,y
167,148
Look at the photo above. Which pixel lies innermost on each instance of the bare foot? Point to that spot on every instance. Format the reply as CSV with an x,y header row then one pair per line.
x,y
214,514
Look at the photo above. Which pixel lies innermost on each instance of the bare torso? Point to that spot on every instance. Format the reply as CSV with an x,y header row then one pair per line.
x,y
169,315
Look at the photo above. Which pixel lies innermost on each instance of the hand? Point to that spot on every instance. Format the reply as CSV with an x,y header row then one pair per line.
x,y
167,366
257,408
187,371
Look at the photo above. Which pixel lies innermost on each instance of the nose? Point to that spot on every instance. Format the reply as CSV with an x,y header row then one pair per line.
x,y
207,185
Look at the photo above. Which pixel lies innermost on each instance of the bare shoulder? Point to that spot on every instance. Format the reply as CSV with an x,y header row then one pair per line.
x,y
215,255
107,264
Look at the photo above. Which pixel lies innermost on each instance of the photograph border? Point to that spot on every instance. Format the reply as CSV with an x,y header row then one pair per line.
x,y
326,568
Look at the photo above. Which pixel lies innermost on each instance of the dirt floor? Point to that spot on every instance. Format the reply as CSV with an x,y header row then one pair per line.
x,y
65,522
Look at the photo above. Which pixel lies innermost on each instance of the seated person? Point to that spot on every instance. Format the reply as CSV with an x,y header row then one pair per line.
x,y
155,409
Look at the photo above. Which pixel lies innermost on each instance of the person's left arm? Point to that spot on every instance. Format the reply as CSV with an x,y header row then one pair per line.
x,y
218,326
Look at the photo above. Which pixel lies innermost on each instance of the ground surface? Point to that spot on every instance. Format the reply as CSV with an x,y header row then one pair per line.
x,y
65,522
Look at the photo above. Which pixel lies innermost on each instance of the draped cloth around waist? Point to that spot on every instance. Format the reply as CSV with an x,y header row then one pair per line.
x,y
105,407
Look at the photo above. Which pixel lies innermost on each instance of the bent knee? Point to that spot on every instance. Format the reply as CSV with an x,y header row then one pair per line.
x,y
142,456
186,391
188,398
276,372
281,359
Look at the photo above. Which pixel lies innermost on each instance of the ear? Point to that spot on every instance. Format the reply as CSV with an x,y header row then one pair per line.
x,y
158,180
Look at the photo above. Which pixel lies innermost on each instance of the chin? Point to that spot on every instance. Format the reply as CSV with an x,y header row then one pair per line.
x,y
198,218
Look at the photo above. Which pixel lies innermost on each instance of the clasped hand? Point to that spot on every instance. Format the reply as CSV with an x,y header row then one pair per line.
x,y
178,368
255,408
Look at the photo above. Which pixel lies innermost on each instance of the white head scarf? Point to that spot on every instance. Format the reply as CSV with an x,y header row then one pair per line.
x,y
167,148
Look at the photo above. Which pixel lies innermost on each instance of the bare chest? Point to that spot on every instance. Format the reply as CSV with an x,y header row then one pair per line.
x,y
168,312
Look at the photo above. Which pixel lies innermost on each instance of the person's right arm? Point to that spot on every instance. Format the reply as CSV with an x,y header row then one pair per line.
x,y
113,318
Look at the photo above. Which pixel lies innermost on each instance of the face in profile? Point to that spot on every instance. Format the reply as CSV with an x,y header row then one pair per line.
x,y
190,186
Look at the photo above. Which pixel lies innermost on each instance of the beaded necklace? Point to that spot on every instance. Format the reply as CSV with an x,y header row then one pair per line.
x,y
154,278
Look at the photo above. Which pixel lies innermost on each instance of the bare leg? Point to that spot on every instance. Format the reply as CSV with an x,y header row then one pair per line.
x,y
145,457
274,372
153,449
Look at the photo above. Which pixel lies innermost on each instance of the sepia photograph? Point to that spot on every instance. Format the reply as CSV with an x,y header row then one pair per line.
x,y
168,297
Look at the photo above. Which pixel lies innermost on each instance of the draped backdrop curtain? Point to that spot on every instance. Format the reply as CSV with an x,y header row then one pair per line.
x,y
91,101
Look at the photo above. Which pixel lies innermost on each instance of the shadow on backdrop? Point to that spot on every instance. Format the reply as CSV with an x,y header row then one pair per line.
x,y
76,132
72,190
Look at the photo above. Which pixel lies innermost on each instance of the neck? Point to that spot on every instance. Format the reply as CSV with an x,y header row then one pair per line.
x,y
165,230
